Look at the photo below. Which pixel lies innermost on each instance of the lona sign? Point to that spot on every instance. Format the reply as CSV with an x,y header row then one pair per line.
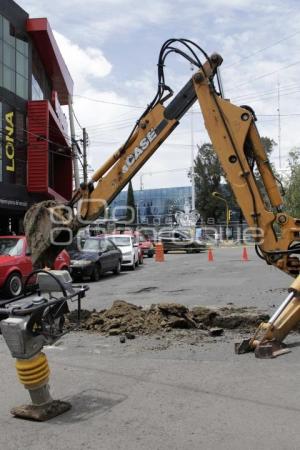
x,y
139,150
10,141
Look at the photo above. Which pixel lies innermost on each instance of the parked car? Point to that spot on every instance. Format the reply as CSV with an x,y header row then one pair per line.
x,y
97,256
173,240
145,245
150,234
16,264
129,248
134,235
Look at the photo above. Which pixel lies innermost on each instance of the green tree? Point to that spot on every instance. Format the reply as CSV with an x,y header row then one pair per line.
x,y
292,188
131,215
208,174
209,177
268,144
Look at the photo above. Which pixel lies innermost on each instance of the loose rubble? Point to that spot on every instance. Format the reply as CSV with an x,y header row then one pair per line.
x,y
130,320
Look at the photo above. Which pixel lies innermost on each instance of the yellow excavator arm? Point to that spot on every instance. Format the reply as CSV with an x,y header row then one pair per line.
x,y
236,141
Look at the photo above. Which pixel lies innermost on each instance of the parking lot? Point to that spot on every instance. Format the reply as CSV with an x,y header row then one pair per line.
x,y
156,393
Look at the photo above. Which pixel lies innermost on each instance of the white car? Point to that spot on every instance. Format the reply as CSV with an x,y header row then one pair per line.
x,y
129,248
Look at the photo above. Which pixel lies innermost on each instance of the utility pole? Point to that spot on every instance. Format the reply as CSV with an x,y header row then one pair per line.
x,y
193,206
279,122
141,181
84,155
74,145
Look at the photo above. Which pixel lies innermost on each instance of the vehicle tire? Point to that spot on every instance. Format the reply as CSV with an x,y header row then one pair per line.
x,y
96,274
117,270
13,285
76,279
150,254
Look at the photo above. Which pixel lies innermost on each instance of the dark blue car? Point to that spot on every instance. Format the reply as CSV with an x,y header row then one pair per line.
x,y
94,257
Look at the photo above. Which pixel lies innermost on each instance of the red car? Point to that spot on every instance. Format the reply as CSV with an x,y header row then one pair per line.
x,y
16,264
145,245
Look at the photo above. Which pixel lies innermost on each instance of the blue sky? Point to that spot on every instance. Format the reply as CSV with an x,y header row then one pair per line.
x,y
111,48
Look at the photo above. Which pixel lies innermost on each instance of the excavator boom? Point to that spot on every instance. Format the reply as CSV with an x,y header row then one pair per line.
x,y
35,322
236,141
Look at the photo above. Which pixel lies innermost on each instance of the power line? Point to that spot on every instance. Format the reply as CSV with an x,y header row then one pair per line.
x,y
111,127
76,118
263,93
42,138
265,96
54,129
262,50
99,142
119,124
265,115
109,103
26,143
259,98
118,121
250,80
113,123
275,115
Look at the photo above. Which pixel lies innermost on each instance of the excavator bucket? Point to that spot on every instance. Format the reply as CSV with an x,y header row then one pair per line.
x,y
49,226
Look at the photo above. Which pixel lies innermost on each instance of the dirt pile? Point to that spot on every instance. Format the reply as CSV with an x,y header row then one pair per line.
x,y
125,317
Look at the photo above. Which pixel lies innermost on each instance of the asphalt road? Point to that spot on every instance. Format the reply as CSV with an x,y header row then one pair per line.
x,y
161,394
192,280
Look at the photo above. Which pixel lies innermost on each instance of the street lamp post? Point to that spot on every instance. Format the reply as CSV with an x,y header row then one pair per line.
x,y
219,196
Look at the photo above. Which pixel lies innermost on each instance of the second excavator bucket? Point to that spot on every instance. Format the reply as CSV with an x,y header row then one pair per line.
x,y
49,226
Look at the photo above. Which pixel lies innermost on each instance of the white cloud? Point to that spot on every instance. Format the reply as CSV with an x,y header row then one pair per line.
x,y
99,20
106,130
82,62
111,49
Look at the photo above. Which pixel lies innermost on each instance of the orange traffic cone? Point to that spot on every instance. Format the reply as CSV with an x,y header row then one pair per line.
x,y
210,256
159,252
245,254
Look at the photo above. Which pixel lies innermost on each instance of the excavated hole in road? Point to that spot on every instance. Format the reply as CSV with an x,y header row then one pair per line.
x,y
123,317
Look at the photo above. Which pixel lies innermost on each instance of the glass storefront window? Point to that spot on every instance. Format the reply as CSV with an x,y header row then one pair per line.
x,y
13,61
22,65
22,86
8,33
41,85
9,56
22,47
9,79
